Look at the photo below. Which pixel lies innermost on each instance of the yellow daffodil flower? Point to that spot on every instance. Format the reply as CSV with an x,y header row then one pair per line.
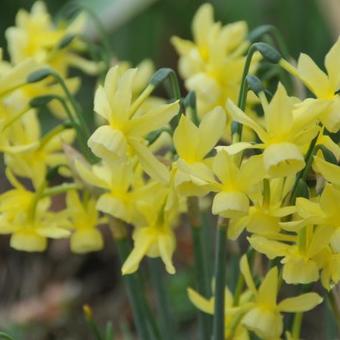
x,y
123,187
124,134
325,212
264,215
84,219
212,64
28,220
156,238
235,184
285,136
325,86
192,144
36,36
39,154
300,259
233,313
331,172
264,316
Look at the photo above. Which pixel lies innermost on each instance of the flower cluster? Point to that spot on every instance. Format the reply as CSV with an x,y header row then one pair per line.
x,y
149,160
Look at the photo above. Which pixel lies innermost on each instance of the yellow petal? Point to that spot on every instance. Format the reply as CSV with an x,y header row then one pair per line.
x,y
186,139
309,210
301,303
167,245
157,118
245,270
267,293
203,304
211,130
331,172
239,116
332,65
278,115
143,241
101,103
313,77
202,23
268,247
152,166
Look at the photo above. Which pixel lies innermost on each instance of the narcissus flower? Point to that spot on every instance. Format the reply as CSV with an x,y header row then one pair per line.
x,y
193,143
233,314
127,126
326,212
28,220
30,155
235,184
36,36
156,238
84,219
286,134
212,64
325,86
264,315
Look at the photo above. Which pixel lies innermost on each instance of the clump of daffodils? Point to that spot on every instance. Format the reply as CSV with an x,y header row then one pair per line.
x,y
150,160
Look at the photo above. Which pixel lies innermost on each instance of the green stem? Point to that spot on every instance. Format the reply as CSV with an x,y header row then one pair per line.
x,y
201,271
296,330
303,174
220,264
242,98
134,293
165,318
334,307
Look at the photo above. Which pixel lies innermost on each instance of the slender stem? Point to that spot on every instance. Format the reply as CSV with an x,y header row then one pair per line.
x,y
303,174
134,293
165,318
220,257
201,271
296,330
335,309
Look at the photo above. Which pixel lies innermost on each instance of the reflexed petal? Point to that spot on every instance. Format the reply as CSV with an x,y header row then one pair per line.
x,y
186,139
167,245
211,130
314,78
301,303
157,118
309,210
267,293
331,172
203,304
142,242
239,116
101,103
268,247
114,206
152,166
202,22
278,116
245,270
224,167
53,232
332,65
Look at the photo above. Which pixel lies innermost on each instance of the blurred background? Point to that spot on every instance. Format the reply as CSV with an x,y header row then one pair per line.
x,y
41,295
